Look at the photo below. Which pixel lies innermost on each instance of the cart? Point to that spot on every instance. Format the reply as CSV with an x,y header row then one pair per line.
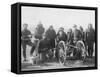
x,y
63,51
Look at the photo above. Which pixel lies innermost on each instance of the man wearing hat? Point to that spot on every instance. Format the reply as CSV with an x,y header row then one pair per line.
x,y
90,39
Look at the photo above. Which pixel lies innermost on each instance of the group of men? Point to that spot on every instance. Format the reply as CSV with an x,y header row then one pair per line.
x,y
50,38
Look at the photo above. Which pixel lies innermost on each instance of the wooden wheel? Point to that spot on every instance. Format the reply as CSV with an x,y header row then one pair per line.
x,y
62,53
81,49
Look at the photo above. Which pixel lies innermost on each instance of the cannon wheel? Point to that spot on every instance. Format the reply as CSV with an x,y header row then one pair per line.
x,y
81,47
62,52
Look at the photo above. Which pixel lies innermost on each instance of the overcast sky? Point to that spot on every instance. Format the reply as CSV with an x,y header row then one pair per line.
x,y
57,17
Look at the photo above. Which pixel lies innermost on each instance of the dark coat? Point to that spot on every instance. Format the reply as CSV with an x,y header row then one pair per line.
x,y
44,45
62,37
77,35
50,34
25,34
90,36
39,31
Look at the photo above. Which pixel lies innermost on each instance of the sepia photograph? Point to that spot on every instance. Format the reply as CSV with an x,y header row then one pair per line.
x,y
55,38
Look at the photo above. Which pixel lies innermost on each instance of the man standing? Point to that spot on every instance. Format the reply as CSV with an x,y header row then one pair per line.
x,y
82,33
90,39
26,39
51,35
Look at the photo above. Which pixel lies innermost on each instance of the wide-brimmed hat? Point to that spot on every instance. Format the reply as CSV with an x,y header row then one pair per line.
x,y
61,28
74,26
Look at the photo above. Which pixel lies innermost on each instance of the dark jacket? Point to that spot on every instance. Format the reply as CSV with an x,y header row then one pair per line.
x,y
43,45
39,30
90,36
62,37
50,34
77,35
25,34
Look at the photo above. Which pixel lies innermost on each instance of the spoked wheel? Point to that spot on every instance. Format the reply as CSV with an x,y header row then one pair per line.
x,y
81,49
62,53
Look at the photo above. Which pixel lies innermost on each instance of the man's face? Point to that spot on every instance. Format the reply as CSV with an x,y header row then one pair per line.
x,y
81,29
60,33
70,30
51,28
90,26
25,26
75,28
